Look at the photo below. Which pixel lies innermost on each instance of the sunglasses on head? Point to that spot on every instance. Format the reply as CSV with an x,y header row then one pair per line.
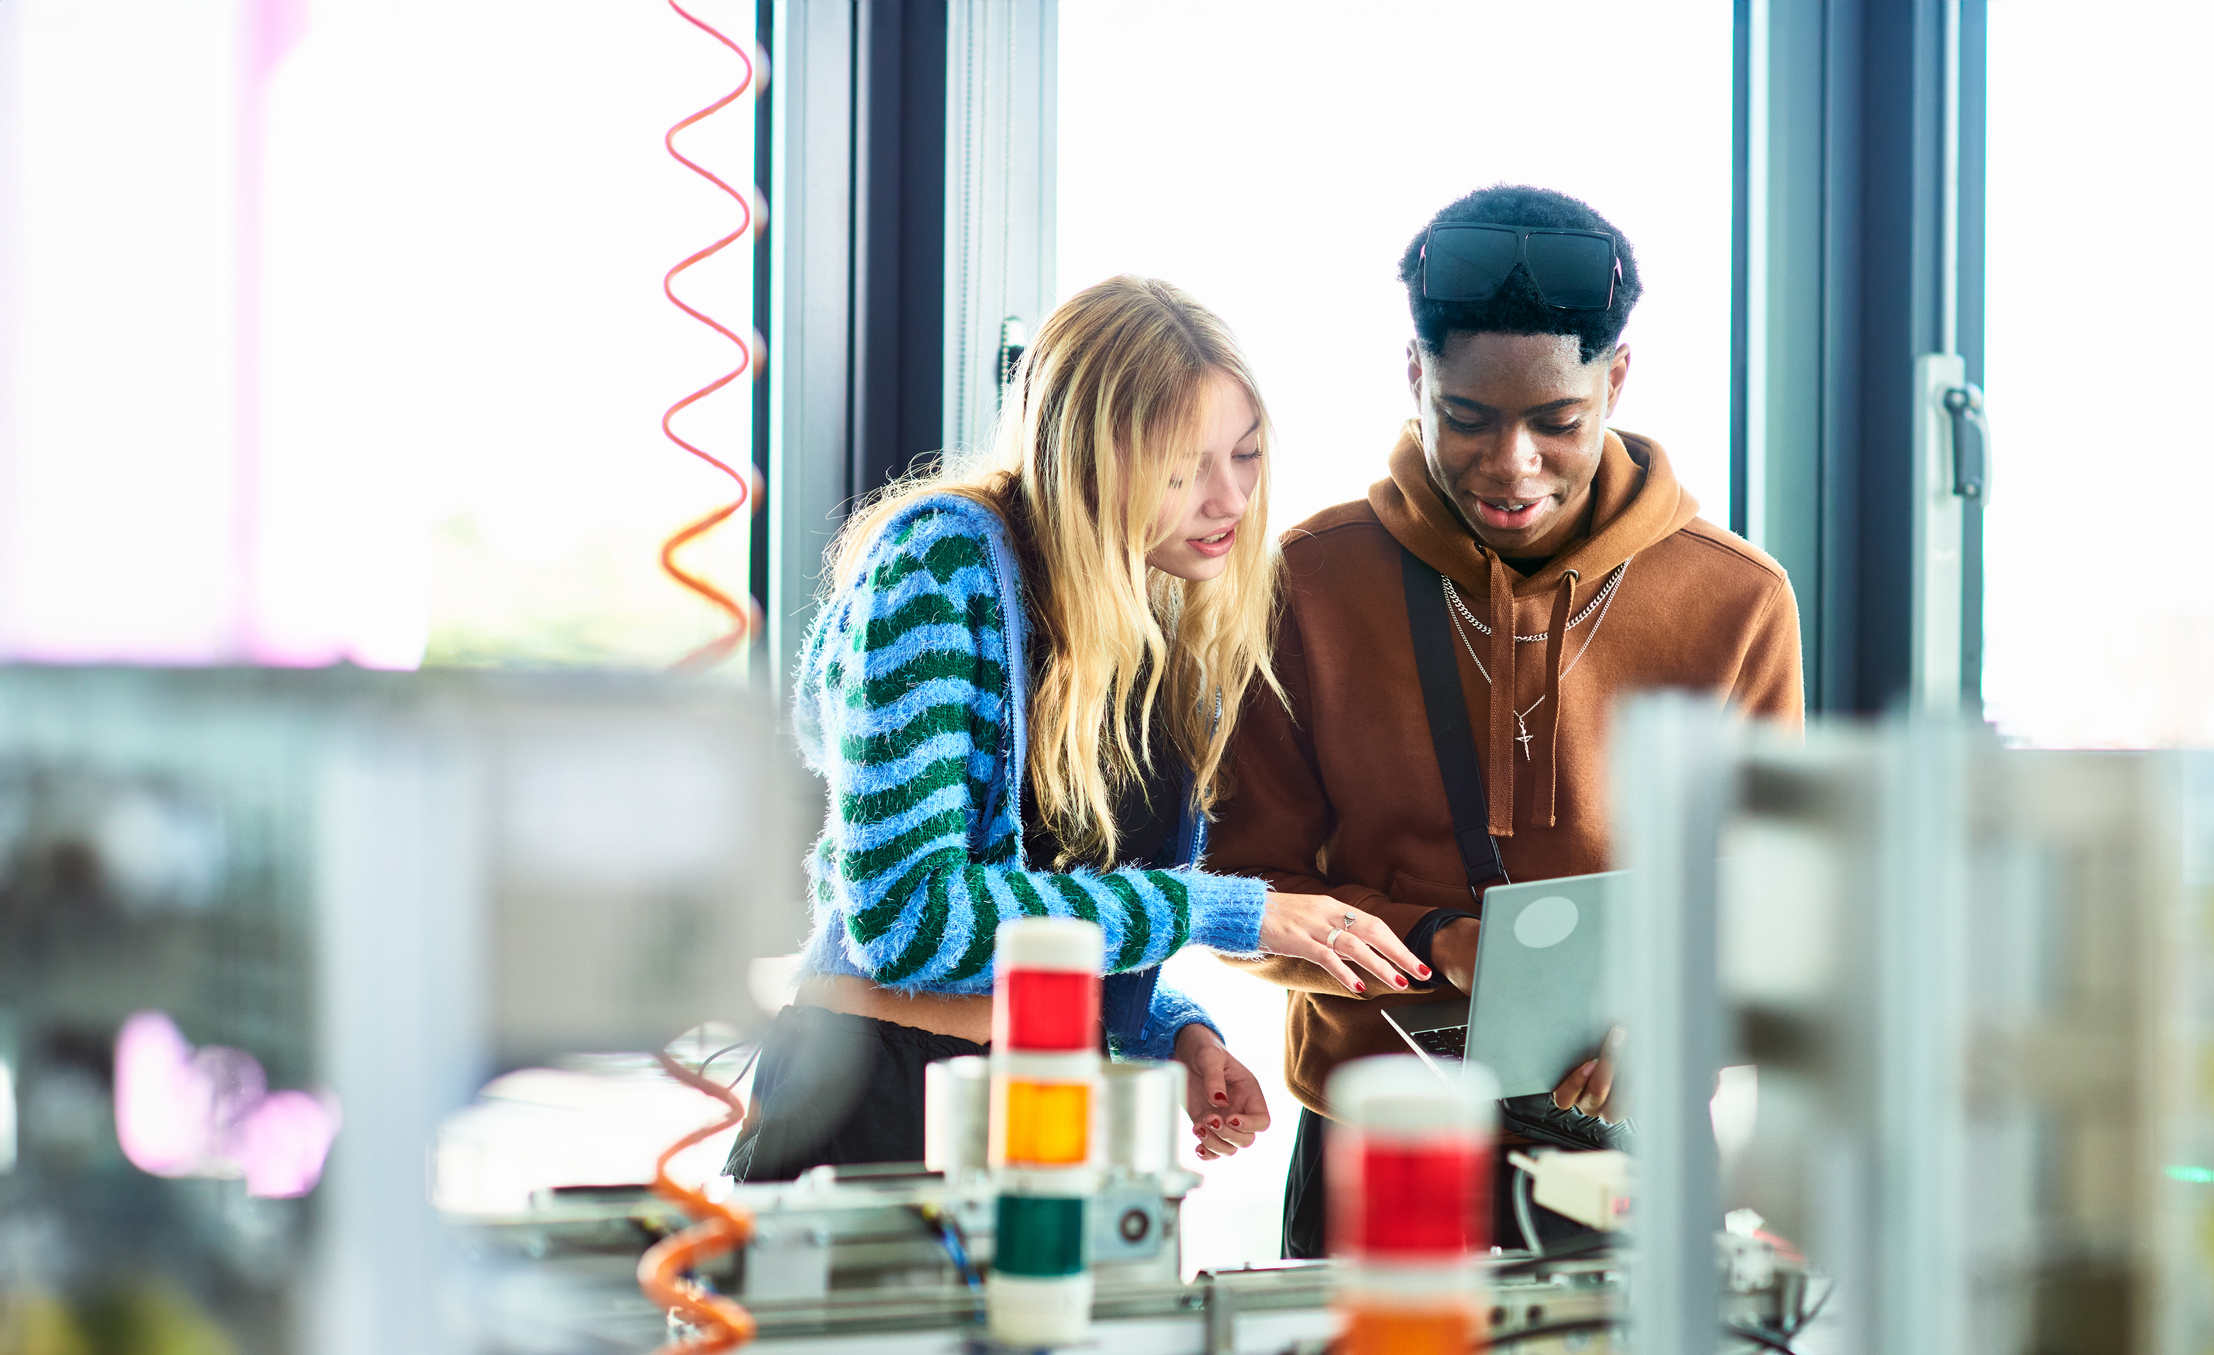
x,y
1469,261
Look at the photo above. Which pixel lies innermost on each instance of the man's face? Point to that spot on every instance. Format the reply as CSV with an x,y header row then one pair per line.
x,y
1512,429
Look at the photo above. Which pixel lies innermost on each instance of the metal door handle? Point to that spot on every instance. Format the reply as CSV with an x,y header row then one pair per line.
x,y
1971,443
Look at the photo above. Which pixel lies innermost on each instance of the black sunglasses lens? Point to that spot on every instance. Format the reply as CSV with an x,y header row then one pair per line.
x,y
1576,272
1467,263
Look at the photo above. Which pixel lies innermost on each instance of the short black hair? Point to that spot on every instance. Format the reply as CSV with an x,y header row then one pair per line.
x,y
1515,308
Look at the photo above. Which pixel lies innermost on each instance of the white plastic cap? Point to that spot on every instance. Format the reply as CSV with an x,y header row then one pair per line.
x,y
1078,1065
1053,943
1021,1310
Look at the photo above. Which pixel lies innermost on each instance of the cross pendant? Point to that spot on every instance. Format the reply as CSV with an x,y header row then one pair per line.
x,y
1524,739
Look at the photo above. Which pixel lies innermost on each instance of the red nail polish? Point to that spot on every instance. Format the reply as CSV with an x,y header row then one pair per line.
x,y
1221,1100
1215,1123
1359,987
1422,971
1399,979
1233,1122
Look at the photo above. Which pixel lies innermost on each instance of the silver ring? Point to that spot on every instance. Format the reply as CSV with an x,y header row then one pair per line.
x,y
1330,941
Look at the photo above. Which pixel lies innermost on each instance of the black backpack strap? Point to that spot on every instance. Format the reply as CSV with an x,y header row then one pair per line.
x,y
1450,733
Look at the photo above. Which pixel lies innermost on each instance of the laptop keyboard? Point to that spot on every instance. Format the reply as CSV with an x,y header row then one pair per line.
x,y
1448,1043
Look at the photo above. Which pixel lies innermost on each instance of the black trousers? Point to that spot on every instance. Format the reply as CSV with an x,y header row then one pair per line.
x,y
837,1089
1306,1222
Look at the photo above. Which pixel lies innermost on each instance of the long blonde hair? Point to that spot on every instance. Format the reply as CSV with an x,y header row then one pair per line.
x,y
1106,408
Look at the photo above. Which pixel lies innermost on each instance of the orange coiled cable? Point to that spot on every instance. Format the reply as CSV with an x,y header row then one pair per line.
x,y
720,1323
742,614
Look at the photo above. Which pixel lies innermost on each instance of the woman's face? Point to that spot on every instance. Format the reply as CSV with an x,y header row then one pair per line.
x,y
1205,510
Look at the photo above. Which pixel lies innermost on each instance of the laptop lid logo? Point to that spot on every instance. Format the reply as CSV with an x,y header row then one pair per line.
x,y
1546,922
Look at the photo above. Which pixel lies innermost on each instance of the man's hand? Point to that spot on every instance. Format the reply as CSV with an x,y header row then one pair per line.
x,y
1453,950
1221,1095
1589,1086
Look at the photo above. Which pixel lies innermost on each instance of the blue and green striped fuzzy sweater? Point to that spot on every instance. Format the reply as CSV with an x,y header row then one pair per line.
x,y
908,704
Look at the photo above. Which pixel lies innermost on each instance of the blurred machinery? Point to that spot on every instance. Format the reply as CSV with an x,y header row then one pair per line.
x,y
896,1259
242,911
862,1261
263,933
1972,983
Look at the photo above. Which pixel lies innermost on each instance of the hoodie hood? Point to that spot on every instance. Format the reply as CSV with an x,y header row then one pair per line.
x,y
1635,502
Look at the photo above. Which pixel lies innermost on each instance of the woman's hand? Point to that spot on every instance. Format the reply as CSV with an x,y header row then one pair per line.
x,y
1223,1098
1332,934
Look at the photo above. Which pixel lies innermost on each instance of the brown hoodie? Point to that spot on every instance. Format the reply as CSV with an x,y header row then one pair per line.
x,y
1341,795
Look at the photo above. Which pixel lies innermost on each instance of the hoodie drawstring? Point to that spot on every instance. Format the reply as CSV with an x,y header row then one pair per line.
x,y
1500,707
1549,723
1509,728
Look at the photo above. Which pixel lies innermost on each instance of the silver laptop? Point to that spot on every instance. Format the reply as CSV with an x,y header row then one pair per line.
x,y
1541,1003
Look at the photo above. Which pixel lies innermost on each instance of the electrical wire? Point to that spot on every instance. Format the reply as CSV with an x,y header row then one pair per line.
x,y
1520,1191
720,1323
742,615
1574,1247
743,1068
1814,1310
955,1239
709,1061
1762,1337
1499,1341
1540,1333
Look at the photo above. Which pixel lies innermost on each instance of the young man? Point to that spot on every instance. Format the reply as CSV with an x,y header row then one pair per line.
x,y
1574,569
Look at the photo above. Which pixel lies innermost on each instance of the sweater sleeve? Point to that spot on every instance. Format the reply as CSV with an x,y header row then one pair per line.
x,y
922,857
1170,1012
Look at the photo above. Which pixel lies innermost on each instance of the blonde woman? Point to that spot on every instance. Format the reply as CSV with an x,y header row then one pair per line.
x,y
1019,688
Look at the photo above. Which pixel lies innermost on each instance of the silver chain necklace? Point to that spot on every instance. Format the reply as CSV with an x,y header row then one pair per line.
x,y
1598,601
1601,603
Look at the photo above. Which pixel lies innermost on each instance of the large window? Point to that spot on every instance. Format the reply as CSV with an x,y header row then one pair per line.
x,y
2098,631
1275,157
333,329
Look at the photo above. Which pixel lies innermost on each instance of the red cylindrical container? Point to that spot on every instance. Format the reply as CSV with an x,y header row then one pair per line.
x,y
1045,986
1410,1199
1048,1011
1409,1181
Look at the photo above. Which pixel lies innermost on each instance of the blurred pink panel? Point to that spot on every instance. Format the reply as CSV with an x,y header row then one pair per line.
x,y
283,1143
269,31
164,1105
181,1112
272,28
